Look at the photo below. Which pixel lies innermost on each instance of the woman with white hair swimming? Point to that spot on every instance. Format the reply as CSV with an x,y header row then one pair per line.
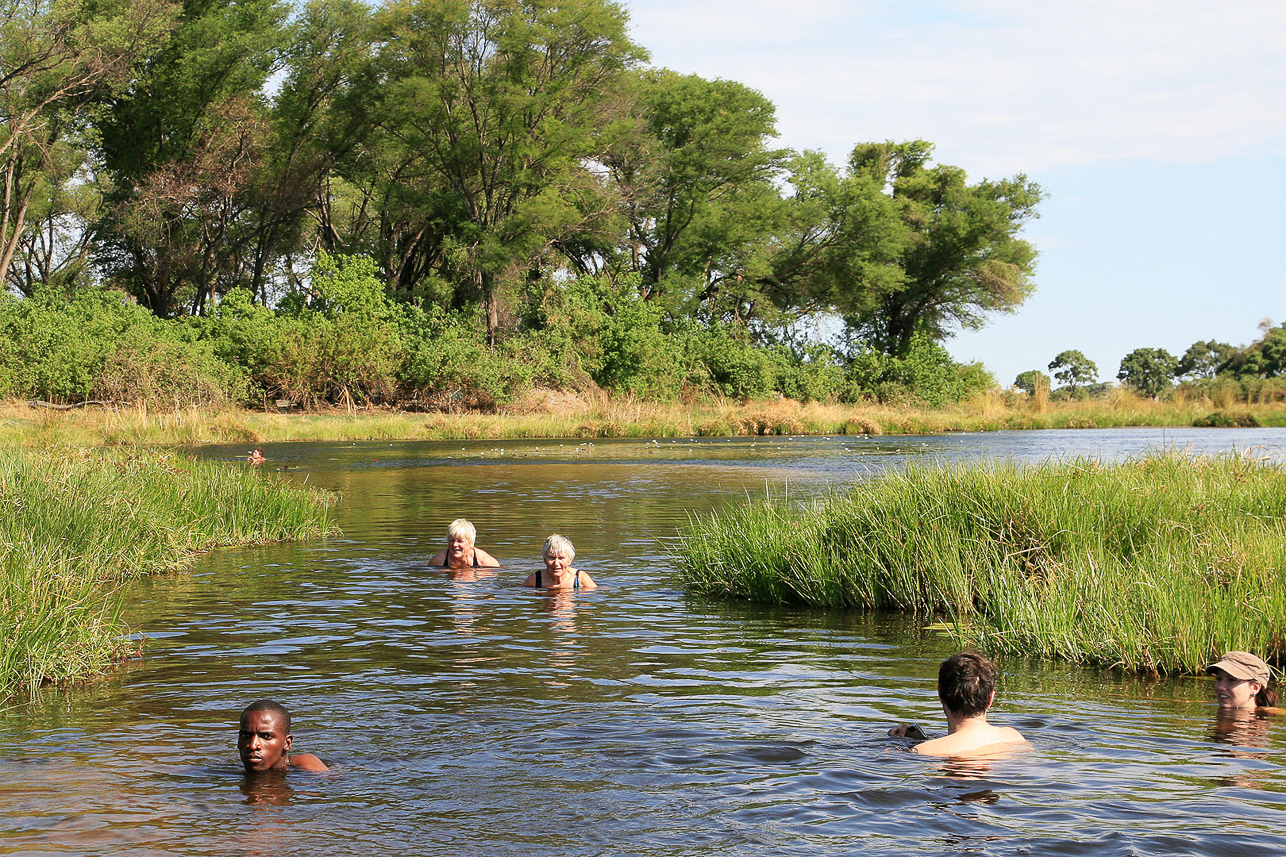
x,y
460,551
558,573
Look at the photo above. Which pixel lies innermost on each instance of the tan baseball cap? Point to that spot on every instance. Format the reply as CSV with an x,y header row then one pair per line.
x,y
1242,665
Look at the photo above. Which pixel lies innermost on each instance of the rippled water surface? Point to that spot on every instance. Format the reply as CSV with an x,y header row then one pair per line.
x,y
472,716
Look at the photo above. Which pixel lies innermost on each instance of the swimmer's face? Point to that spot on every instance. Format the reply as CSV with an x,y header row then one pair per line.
x,y
263,742
1234,694
557,562
459,547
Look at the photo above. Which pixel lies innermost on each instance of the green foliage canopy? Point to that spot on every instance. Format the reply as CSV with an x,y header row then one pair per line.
x,y
1073,369
1148,370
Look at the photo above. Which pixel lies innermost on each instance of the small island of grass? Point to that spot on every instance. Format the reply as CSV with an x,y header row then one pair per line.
x,y
75,523
1157,564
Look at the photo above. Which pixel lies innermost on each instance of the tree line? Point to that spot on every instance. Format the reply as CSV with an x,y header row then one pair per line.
x,y
487,156
1254,372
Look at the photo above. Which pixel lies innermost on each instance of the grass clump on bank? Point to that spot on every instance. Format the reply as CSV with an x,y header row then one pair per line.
x,y
74,523
1157,564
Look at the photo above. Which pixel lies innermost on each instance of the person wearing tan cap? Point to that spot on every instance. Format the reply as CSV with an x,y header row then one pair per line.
x,y
1241,682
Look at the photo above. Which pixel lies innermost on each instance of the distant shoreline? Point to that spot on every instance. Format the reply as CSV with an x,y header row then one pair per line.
x,y
574,418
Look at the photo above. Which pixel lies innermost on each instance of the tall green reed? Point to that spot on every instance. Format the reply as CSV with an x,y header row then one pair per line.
x,y
75,523
1157,564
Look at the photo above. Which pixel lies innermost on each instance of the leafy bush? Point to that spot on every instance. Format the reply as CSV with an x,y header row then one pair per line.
x,y
813,373
341,342
447,365
735,367
168,372
926,375
99,344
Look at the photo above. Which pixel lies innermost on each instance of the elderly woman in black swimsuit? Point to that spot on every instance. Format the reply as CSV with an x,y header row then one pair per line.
x,y
460,551
558,573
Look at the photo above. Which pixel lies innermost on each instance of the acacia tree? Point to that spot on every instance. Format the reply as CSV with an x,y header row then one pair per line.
x,y
183,147
1148,370
490,115
57,60
1203,359
961,256
839,244
697,190
1073,369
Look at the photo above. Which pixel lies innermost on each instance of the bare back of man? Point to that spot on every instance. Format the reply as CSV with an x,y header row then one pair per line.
x,y
977,739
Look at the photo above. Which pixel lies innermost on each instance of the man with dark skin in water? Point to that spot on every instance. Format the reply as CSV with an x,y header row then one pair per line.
x,y
265,740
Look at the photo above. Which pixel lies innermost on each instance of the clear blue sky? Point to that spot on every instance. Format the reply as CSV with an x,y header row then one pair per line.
x,y
1157,128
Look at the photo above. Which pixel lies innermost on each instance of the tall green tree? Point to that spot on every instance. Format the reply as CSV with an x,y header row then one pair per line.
x,y
1264,358
1073,369
57,61
698,193
490,116
1150,371
961,259
1203,359
839,243
311,129
183,147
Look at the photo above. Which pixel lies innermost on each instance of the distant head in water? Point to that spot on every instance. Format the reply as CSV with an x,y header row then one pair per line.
x,y
256,456
462,550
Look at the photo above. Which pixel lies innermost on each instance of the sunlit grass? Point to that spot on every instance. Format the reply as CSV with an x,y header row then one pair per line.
x,y
75,523
608,416
1158,564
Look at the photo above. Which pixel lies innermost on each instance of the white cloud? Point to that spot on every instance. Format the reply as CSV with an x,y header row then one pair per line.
x,y
1000,85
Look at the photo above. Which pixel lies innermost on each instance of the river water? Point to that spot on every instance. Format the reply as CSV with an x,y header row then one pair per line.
x,y
472,716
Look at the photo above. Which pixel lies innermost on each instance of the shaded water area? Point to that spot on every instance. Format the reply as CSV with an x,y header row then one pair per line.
x,y
473,716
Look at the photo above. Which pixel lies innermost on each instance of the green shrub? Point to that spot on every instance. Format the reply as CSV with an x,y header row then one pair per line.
x,y
811,374
926,375
98,344
735,367
339,343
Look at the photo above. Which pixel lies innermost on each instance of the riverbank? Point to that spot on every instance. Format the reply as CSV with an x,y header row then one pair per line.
x,y
1157,564
77,523
560,416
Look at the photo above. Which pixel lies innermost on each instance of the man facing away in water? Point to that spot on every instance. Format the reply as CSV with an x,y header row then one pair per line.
x,y
966,688
264,740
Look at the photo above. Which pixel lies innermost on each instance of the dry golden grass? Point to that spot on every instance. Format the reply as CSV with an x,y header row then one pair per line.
x,y
602,415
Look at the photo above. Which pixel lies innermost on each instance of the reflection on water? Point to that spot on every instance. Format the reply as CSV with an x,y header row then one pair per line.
x,y
468,714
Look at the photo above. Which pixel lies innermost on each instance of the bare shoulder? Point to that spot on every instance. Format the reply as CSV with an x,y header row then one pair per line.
x,y
308,762
586,582
998,741
485,560
531,580
1010,735
439,558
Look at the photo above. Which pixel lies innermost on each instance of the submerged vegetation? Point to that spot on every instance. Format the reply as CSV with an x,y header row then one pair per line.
x,y
1157,564
74,524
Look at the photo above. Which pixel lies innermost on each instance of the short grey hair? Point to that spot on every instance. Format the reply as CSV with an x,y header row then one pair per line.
x,y
559,544
461,528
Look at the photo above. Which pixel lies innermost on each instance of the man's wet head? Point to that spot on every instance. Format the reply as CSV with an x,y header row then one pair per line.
x,y
264,740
